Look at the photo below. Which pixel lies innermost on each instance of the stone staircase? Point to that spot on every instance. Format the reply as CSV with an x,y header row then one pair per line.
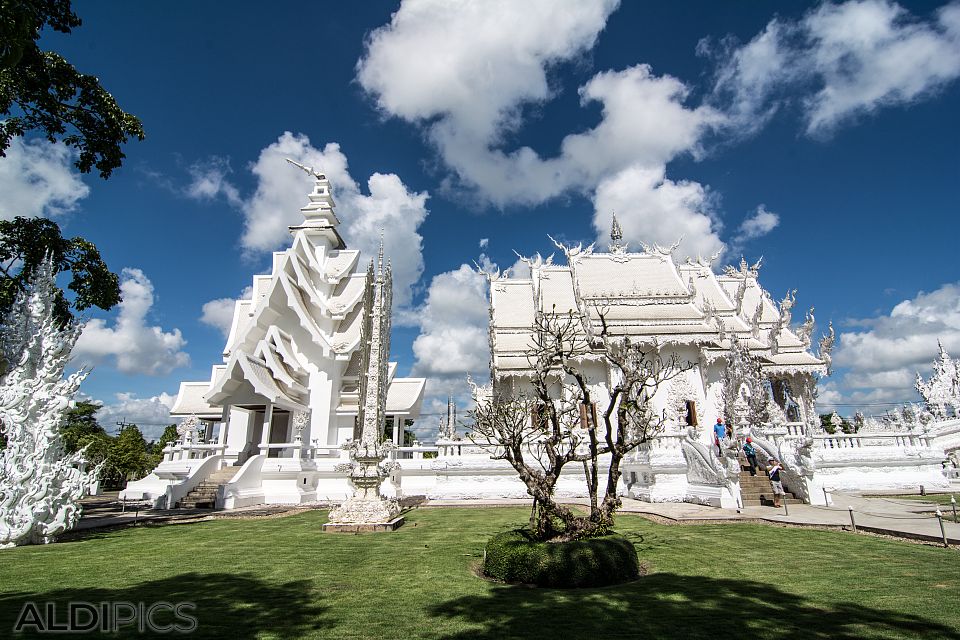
x,y
756,491
204,495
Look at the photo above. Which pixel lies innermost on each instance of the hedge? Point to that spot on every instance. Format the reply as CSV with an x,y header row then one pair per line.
x,y
514,557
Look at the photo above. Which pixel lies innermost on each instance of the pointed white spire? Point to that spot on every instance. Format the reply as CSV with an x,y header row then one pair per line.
x,y
319,211
616,236
380,256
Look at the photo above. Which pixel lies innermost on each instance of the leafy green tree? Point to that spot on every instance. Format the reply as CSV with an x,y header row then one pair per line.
x,y
81,425
155,448
169,435
845,425
83,431
40,91
128,458
25,242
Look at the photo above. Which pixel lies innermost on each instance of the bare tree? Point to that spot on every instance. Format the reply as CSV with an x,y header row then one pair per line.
x,y
553,420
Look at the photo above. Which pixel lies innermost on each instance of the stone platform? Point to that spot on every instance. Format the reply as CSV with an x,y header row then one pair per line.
x,y
363,527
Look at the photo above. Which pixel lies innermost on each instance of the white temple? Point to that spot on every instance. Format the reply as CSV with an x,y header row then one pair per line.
x,y
278,421
724,325
274,417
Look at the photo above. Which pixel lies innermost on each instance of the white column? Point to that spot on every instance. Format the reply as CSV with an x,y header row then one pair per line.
x,y
397,433
224,426
265,436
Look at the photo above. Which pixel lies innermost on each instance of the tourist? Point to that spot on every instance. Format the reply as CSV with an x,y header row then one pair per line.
x,y
719,433
751,453
774,472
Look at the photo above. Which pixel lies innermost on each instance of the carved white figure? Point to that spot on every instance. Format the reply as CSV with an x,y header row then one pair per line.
x,y
805,332
40,486
826,347
188,429
745,395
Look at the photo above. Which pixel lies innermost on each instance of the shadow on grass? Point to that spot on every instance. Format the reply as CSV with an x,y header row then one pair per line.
x,y
236,606
666,605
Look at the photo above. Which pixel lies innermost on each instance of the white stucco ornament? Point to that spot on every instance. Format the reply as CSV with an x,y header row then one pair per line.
x,y
188,428
942,390
40,485
368,466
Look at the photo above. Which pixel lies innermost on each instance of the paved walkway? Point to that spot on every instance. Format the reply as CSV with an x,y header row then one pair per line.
x,y
106,510
899,517
878,514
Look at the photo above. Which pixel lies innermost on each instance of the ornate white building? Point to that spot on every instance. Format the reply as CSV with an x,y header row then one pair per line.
x,y
274,417
748,365
278,420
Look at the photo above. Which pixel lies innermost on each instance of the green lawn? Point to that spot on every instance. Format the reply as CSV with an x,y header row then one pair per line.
x,y
283,578
936,498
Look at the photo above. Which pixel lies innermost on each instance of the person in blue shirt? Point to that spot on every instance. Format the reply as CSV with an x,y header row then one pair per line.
x,y
751,453
774,472
719,433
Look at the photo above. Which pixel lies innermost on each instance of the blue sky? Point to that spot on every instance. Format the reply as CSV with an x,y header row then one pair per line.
x,y
820,136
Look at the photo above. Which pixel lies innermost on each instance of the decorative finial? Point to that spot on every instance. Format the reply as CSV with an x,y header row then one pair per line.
x,y
616,236
380,254
316,174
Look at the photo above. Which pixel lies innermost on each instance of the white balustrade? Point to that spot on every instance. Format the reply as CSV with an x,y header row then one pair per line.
x,y
859,440
191,451
412,453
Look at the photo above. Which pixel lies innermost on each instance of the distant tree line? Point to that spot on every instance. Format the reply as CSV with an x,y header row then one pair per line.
x,y
127,455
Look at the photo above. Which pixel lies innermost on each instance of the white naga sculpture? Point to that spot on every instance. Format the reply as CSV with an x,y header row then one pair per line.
x,y
39,485
368,466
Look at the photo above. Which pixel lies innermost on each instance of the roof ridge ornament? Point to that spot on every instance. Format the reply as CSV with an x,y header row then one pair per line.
x,y
660,251
805,332
573,254
536,260
826,347
616,236
319,175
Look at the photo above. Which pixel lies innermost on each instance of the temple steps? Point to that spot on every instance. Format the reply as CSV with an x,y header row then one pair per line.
x,y
204,495
756,491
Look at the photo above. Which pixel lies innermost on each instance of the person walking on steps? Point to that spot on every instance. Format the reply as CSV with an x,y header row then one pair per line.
x,y
719,433
751,453
774,472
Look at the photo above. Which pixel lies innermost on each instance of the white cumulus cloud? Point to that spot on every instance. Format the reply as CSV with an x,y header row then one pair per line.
x,y
488,60
131,344
208,180
880,358
756,225
654,209
453,341
474,63
453,338
219,313
37,178
465,71
151,414
846,60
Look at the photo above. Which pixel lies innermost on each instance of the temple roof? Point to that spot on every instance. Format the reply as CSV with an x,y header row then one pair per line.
x,y
404,395
646,296
190,402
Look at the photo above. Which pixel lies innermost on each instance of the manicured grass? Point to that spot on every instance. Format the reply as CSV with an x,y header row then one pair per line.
x,y
283,578
936,498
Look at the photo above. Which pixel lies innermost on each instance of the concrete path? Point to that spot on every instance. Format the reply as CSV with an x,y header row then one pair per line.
x,y
899,517
106,510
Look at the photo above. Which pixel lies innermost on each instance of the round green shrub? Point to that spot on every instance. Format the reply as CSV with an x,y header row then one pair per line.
x,y
592,562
